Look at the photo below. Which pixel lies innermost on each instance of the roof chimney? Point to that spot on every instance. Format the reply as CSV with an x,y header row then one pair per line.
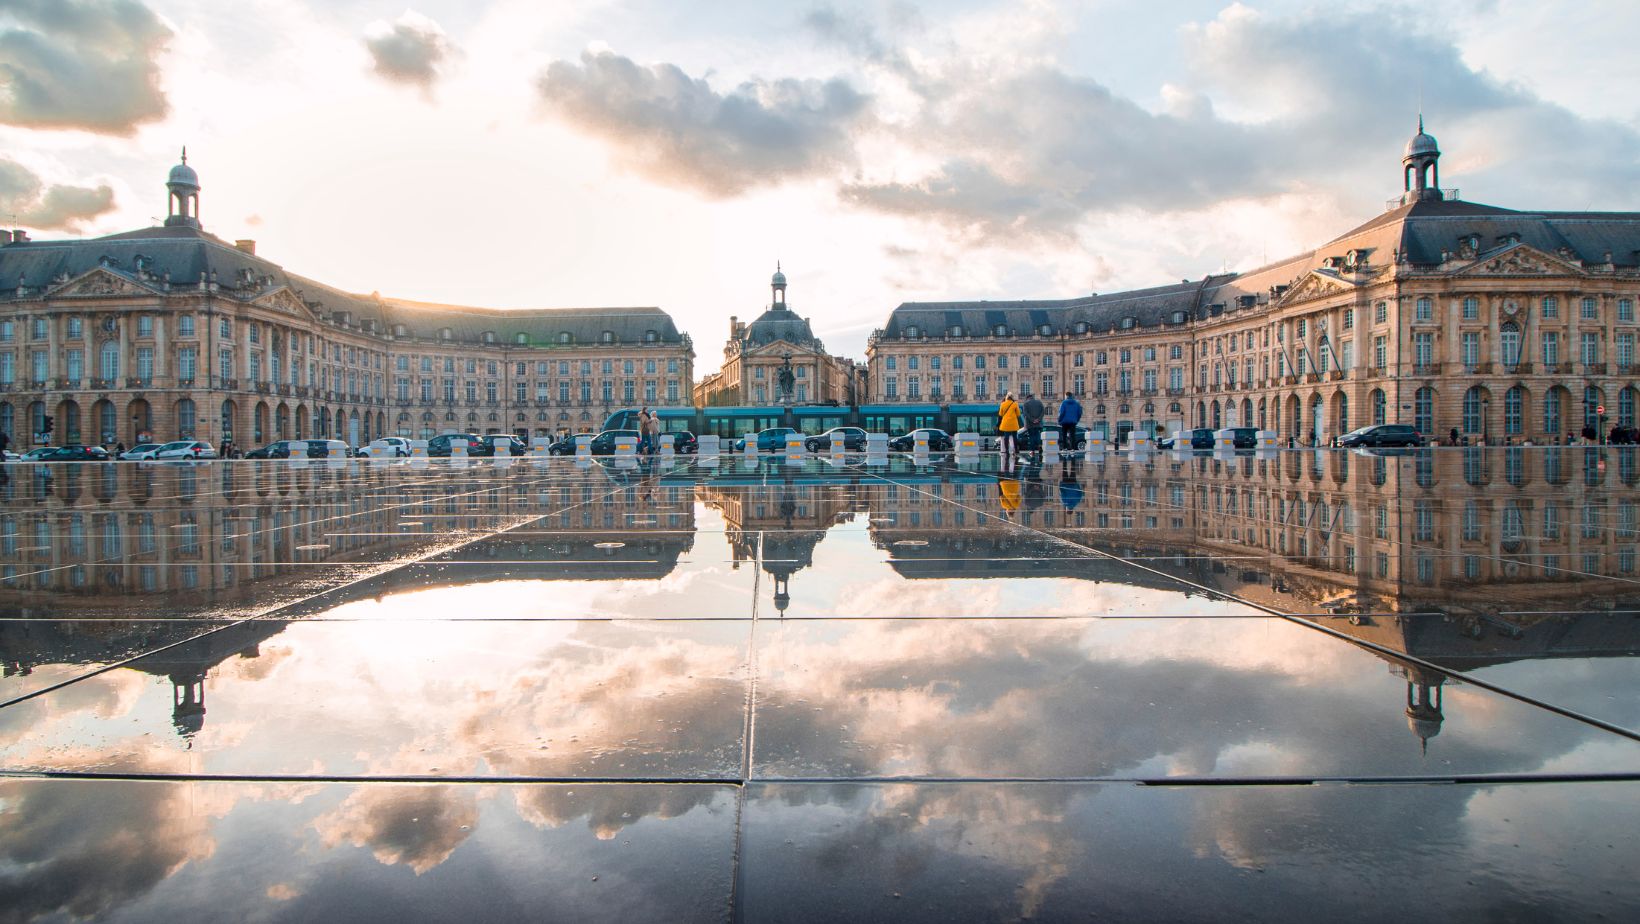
x,y
5,238
19,236
247,246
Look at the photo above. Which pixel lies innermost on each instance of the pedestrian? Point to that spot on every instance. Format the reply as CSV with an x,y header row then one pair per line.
x,y
5,443
1070,414
1033,422
1008,424
643,431
1454,440
653,434
119,448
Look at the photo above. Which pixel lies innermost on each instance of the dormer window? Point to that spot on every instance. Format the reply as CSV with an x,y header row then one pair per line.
x,y
521,338
566,337
488,336
911,332
956,330
1001,330
1130,322
607,336
1178,317
399,330
650,336
1045,330
1081,327
445,333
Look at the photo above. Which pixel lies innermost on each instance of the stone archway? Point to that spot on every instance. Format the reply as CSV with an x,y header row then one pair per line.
x,y
141,416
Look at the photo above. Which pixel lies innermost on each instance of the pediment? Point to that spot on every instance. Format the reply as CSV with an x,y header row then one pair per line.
x,y
1315,284
778,348
1519,260
100,282
283,299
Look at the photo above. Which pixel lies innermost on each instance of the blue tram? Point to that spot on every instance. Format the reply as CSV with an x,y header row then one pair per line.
x,y
893,419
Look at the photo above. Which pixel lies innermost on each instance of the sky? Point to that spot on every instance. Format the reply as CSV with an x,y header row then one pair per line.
x,y
522,153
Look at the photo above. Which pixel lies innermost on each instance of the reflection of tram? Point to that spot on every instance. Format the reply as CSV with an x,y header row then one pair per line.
x,y
893,419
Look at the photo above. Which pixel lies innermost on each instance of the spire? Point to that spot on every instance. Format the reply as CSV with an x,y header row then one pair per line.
x,y
1420,166
185,147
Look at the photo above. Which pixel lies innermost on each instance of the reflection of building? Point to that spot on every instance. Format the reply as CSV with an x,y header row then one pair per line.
x,y
170,332
788,518
1440,313
776,360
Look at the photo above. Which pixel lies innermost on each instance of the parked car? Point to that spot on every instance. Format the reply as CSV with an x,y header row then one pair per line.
x,y
1383,435
938,440
326,449
71,453
685,443
770,440
1198,438
1029,443
185,449
37,454
564,446
395,446
279,449
854,440
604,443
1245,437
440,445
140,452
488,442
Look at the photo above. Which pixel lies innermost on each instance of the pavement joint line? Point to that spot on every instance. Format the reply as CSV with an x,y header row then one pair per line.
x,y
1382,650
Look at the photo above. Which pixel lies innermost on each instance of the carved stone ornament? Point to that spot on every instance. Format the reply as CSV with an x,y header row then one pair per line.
x,y
100,283
284,300
1313,286
1511,307
1516,262
109,324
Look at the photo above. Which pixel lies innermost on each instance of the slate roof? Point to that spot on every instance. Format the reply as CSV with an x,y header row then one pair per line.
x,y
781,323
1420,232
188,253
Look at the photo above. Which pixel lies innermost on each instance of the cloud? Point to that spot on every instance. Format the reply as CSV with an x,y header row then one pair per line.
x,y
411,50
676,129
81,64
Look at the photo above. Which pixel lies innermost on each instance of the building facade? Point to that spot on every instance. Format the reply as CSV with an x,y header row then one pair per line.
x,y
1503,325
169,332
777,360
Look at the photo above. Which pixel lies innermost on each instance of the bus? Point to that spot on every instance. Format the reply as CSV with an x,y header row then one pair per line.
x,y
810,419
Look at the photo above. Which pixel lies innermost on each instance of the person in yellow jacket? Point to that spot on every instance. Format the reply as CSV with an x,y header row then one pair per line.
x,y
1008,424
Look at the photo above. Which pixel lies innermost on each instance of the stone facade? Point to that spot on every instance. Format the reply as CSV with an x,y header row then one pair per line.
x,y
1504,325
757,355
171,333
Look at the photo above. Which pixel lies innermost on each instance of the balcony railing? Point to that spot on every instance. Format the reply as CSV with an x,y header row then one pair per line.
x,y
96,384
1594,368
139,381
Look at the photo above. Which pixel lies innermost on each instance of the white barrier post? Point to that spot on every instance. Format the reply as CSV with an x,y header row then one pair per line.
x,y
626,447
1266,439
668,444
418,449
876,443
1139,441
706,446
458,449
750,447
583,445
1224,439
1096,443
1050,442
540,447
966,443
837,446
503,449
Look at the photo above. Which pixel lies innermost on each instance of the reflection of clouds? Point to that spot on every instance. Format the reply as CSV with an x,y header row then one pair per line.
x,y
110,695
85,848
419,826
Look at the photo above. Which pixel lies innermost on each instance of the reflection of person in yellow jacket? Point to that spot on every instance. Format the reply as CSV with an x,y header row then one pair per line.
x,y
1008,489
1008,424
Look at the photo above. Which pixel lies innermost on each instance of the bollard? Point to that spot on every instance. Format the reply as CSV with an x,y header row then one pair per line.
x,y
750,449
540,447
1224,439
418,449
1266,439
626,447
837,446
1140,442
706,445
583,445
668,444
795,450
503,449
1050,442
966,443
458,449
1096,443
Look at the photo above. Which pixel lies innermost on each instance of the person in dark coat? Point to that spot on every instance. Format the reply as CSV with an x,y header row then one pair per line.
x,y
1033,411
1070,414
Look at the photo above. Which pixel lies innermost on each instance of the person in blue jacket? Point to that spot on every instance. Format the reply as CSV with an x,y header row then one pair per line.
x,y
1070,414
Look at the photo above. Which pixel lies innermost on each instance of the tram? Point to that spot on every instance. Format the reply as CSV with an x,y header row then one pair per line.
x,y
893,419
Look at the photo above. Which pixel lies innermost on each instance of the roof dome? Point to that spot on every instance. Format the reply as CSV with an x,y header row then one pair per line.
x,y
778,279
182,174
1422,143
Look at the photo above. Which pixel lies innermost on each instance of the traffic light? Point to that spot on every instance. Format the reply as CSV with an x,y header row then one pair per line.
x,y
49,424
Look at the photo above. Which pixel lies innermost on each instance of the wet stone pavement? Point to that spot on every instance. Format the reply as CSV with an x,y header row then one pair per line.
x,y
1167,687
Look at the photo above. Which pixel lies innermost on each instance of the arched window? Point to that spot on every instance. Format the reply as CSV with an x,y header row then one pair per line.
x,y
911,332
1423,410
1625,407
650,336
1593,400
1553,412
1343,413
445,333
1001,330
1379,407
566,337
185,419
1514,403
1509,344
956,330
1473,412
521,338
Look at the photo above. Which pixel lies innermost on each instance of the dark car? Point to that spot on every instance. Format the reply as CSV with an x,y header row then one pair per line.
x,y
604,443
1383,435
564,446
1028,442
279,449
487,444
1199,438
938,440
685,443
74,453
440,445
854,440
770,440
1244,437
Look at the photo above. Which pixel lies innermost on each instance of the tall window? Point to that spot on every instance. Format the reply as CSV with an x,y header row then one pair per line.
x,y
1471,308
1625,407
1379,407
1423,348
1514,401
1509,344
1591,347
1470,348
108,361
187,363
1551,307
1423,410
1423,310
1551,348
1625,309
1590,309
1592,402
185,419
1552,411
1625,349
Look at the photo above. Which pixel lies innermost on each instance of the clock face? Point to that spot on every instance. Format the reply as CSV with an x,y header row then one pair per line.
x,y
1510,307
